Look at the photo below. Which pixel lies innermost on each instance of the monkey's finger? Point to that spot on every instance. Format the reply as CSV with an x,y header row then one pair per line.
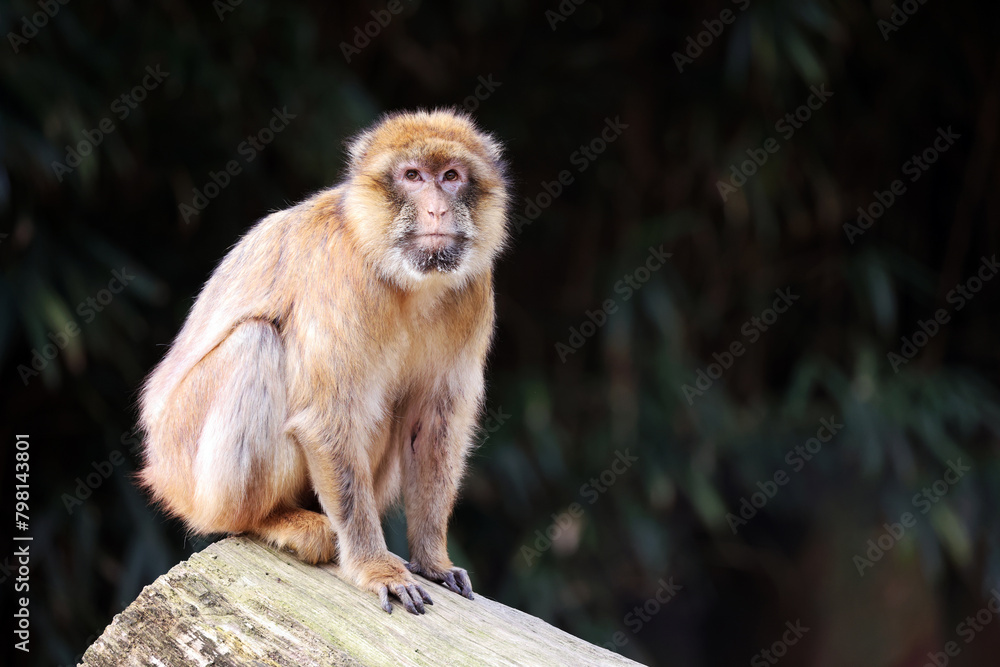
x,y
417,595
404,597
449,582
383,597
423,594
462,578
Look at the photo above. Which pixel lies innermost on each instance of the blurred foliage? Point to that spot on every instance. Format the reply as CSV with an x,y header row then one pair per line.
x,y
63,234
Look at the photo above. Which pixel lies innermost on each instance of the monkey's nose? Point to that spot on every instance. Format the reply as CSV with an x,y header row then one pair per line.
x,y
437,220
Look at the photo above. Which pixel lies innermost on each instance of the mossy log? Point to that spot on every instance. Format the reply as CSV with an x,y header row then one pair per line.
x,y
239,602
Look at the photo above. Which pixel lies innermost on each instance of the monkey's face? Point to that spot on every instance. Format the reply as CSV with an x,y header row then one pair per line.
x,y
427,198
433,226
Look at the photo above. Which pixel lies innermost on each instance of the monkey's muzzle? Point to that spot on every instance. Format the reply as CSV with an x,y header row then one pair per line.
x,y
442,252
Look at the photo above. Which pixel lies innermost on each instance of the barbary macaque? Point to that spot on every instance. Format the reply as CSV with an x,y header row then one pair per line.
x,y
336,354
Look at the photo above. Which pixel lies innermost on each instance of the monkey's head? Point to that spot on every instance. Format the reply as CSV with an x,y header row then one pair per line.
x,y
427,197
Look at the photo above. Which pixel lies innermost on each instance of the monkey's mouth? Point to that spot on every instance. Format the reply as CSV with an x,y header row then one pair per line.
x,y
437,238
441,252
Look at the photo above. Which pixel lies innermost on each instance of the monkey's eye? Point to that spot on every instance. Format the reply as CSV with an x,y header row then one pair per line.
x,y
412,174
451,175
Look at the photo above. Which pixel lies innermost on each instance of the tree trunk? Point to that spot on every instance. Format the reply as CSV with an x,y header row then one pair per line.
x,y
241,603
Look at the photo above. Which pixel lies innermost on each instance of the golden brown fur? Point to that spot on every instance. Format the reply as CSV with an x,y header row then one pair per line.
x,y
319,359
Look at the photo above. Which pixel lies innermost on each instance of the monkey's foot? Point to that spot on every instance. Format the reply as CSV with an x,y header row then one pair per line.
x,y
315,549
308,534
453,578
390,577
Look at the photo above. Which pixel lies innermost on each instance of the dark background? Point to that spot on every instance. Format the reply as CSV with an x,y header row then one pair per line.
x,y
563,423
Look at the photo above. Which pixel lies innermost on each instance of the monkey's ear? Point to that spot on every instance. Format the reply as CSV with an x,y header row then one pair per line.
x,y
357,146
494,149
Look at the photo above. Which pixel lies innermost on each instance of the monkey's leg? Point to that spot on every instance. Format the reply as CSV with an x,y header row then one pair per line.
x,y
248,473
433,462
342,477
308,534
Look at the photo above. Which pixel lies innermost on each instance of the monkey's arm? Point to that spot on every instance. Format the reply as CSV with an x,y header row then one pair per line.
x,y
433,462
336,455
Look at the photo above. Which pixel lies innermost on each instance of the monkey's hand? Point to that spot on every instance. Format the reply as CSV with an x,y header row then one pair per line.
x,y
453,578
390,577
